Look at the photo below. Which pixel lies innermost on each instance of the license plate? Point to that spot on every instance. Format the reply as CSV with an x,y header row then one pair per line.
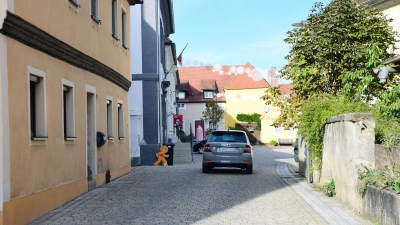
x,y
225,161
226,149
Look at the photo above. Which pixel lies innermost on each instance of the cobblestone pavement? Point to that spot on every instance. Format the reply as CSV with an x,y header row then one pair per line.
x,y
182,194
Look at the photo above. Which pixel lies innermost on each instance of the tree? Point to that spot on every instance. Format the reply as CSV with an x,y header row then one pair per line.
x,y
213,114
335,52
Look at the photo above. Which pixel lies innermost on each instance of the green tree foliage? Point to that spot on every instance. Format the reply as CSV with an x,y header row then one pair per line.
x,y
289,107
315,113
250,118
334,52
213,113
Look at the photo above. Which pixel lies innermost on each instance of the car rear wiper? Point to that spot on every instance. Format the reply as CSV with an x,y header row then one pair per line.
x,y
230,141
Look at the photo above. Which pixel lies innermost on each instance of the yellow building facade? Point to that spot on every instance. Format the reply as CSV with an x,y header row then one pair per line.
x,y
248,101
64,76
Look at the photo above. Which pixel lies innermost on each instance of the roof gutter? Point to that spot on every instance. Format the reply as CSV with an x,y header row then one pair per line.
x,y
380,5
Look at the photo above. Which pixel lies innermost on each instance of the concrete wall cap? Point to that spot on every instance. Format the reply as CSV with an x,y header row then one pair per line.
x,y
354,117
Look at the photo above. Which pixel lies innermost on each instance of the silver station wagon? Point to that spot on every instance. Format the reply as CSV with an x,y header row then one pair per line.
x,y
230,148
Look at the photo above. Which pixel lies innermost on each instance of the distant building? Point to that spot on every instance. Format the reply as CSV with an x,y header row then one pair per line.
x,y
390,8
237,89
64,76
154,78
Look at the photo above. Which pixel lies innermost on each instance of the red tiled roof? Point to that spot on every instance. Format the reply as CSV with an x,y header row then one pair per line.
x,y
285,88
245,81
208,85
224,80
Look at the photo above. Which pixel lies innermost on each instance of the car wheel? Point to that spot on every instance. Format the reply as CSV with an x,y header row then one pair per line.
x,y
249,169
201,150
296,155
205,168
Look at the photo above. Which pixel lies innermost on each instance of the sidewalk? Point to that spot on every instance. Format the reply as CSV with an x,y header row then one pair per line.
x,y
328,208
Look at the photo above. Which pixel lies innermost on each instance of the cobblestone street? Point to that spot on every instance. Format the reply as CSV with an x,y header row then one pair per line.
x,y
182,194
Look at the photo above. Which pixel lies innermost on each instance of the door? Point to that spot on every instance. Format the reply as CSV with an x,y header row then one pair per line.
x,y
91,140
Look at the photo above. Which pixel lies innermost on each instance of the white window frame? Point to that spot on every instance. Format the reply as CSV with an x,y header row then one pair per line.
x,y
68,113
39,136
124,20
182,95
110,118
292,130
114,19
279,130
95,10
184,106
120,115
208,94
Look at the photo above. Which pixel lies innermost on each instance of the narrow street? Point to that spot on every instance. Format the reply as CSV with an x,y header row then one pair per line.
x,y
182,194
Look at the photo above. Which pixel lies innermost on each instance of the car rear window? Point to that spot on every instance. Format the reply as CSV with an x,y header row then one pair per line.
x,y
228,136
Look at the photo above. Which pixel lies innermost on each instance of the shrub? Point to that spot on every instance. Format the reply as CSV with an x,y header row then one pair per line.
x,y
329,188
250,118
388,178
273,143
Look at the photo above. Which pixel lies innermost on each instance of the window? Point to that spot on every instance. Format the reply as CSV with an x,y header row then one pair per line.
x,y
121,135
37,104
94,6
182,95
208,94
114,24
68,110
279,130
110,132
181,106
292,130
123,22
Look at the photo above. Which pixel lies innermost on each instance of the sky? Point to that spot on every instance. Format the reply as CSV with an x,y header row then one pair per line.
x,y
234,32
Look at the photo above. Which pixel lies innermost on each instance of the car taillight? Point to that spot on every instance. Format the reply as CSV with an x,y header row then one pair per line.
x,y
207,148
247,149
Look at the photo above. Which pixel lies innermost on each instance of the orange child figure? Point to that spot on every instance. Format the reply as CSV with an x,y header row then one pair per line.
x,y
161,156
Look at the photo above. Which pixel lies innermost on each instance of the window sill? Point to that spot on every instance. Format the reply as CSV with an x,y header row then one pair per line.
x,y
115,37
39,138
95,19
123,45
70,138
110,138
75,3
121,138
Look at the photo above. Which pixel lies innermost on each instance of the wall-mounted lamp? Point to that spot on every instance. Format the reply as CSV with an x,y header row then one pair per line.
x,y
383,72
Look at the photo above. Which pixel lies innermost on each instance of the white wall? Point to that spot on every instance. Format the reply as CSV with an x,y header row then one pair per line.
x,y
394,13
135,91
136,38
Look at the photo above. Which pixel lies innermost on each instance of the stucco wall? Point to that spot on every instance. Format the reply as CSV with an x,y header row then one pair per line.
x,y
57,163
246,101
394,13
348,144
192,112
75,27
268,131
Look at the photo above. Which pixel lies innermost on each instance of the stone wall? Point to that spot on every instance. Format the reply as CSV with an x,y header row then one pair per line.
x,y
386,157
349,142
381,206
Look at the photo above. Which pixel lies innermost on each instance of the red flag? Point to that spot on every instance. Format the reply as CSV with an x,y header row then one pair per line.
x,y
179,59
